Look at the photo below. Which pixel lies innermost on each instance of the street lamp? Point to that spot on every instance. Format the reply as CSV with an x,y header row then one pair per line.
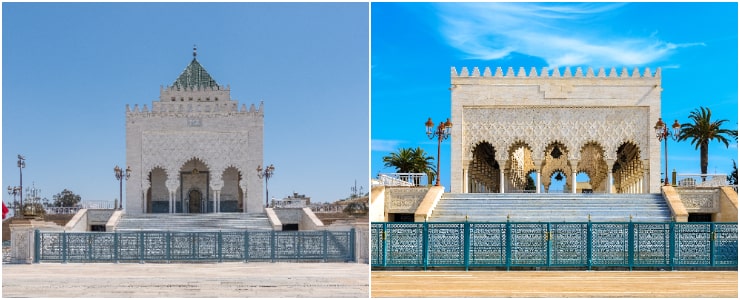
x,y
661,132
15,190
442,133
21,165
120,175
266,174
33,197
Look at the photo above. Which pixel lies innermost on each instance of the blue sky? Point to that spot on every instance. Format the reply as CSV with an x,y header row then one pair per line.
x,y
68,71
415,44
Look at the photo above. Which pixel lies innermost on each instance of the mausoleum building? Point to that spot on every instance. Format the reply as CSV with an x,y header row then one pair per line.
x,y
195,150
601,123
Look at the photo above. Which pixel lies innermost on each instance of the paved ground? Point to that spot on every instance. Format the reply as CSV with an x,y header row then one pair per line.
x,y
536,284
234,279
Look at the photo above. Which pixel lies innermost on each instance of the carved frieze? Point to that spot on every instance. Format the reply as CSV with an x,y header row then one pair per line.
x,y
609,127
404,200
700,201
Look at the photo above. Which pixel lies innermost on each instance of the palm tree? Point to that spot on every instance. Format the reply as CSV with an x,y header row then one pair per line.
x,y
410,160
732,178
702,131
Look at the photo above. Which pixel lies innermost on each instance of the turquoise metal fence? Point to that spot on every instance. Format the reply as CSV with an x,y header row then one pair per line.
x,y
165,246
577,245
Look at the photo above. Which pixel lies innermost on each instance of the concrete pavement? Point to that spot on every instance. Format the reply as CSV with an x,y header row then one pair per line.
x,y
202,280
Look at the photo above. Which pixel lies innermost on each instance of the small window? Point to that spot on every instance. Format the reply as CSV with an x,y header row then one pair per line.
x,y
190,98
173,98
216,99
208,99
182,99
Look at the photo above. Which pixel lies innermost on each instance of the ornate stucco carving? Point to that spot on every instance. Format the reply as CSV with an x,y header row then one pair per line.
x,y
700,201
173,149
404,200
539,126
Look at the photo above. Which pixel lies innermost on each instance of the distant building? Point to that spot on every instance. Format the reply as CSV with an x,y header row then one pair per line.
x,y
294,201
195,150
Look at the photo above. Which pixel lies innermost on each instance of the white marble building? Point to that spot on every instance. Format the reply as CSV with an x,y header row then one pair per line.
x,y
195,150
513,125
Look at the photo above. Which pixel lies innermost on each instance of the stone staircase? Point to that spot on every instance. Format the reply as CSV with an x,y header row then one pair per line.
x,y
195,222
551,208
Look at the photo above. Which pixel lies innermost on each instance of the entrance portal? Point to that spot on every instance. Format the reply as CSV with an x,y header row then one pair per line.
x,y
195,202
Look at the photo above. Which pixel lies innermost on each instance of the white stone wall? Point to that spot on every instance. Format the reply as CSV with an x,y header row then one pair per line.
x,y
602,106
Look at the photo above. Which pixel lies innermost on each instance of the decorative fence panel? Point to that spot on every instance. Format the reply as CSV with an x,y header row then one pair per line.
x,y
577,245
161,246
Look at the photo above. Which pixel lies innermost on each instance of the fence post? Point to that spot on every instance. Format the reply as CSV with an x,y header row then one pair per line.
x,y
352,237
168,242
548,244
116,248
466,246
589,243
425,245
272,245
630,244
325,241
383,244
36,246
246,246
141,247
193,247
712,238
220,246
672,246
64,247
508,244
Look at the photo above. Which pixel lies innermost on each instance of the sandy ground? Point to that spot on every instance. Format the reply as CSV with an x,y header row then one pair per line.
x,y
535,284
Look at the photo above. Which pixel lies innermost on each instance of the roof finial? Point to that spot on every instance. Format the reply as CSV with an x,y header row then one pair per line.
x,y
195,51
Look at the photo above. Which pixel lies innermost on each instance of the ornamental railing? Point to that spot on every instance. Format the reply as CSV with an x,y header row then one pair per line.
x,y
165,247
701,180
563,245
53,210
402,179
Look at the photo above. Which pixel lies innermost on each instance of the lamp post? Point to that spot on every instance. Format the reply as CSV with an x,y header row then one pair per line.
x,y
442,133
661,132
33,197
266,174
15,190
120,175
21,165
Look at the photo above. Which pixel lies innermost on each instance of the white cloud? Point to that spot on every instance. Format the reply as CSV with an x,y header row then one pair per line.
x,y
385,145
561,34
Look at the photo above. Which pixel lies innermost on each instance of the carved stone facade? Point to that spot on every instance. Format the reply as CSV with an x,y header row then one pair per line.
x,y
698,200
195,151
507,127
403,200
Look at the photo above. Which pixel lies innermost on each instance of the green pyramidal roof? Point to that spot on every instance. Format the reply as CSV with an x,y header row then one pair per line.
x,y
195,76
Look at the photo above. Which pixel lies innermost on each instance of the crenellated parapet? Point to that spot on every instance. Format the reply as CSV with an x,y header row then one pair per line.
x,y
176,108
555,73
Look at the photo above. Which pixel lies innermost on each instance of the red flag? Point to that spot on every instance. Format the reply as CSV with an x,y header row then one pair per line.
x,y
5,210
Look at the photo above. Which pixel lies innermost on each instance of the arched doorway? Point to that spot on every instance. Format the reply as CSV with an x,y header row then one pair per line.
x,y
628,170
556,169
484,171
231,196
195,201
194,188
593,168
157,195
520,163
